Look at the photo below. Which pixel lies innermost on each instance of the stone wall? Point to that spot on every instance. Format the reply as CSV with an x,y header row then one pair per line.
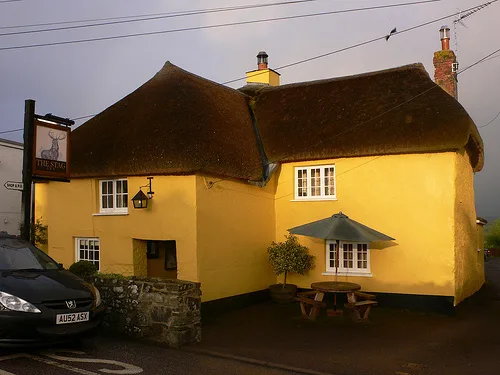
x,y
166,311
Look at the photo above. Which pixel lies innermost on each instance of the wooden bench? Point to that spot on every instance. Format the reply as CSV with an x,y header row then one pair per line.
x,y
360,303
364,296
312,301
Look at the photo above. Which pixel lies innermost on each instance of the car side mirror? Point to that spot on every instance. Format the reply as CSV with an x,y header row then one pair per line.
x,y
60,266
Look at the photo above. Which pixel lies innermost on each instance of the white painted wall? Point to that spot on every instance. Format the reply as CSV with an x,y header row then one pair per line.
x,y
11,166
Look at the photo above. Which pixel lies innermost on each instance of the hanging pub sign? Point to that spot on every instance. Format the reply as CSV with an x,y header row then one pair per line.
x,y
51,151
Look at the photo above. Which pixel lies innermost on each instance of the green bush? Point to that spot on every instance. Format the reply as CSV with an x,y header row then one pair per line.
x,y
290,256
38,232
83,269
492,235
118,276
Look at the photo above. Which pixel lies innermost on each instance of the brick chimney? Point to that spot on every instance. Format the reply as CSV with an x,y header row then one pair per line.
x,y
263,75
445,65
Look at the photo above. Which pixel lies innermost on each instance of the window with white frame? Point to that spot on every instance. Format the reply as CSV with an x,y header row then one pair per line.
x,y
353,258
113,196
89,249
317,182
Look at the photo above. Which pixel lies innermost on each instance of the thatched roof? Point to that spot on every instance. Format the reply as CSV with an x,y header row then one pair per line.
x,y
394,111
176,123
180,123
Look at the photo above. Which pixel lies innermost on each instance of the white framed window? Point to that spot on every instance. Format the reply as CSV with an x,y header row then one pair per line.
x,y
89,249
317,182
353,258
113,196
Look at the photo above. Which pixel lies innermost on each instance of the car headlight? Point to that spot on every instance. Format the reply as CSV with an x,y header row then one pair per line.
x,y
97,297
10,302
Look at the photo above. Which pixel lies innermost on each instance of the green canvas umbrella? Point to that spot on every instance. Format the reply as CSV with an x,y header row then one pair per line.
x,y
339,227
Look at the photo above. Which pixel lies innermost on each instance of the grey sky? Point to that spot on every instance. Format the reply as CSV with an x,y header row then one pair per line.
x,y
82,79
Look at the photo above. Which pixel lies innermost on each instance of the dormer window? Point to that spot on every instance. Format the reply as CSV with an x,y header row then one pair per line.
x,y
113,196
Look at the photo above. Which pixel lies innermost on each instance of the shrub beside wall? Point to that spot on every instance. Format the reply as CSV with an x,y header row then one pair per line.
x,y
160,310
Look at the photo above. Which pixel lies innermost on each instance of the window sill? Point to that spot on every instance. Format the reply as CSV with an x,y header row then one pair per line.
x,y
111,214
313,199
360,274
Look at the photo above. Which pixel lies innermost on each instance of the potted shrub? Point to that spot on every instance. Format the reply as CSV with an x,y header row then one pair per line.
x,y
285,257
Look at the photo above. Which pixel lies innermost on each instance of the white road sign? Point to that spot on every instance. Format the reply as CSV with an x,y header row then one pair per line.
x,y
11,185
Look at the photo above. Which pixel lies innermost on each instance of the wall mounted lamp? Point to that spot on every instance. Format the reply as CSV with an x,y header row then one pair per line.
x,y
140,200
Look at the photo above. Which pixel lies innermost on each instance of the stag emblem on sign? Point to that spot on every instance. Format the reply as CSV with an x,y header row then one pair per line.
x,y
53,152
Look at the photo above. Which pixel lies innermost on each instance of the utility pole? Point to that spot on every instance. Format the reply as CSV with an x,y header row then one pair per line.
x,y
29,130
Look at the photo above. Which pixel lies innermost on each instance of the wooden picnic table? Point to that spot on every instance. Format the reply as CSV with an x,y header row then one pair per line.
x,y
318,293
335,287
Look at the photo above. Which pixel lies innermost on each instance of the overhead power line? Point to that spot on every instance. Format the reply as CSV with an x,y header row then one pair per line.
x,y
382,114
82,117
323,55
389,110
492,57
479,61
487,57
216,26
220,10
358,44
154,16
180,13
18,130
494,118
11,131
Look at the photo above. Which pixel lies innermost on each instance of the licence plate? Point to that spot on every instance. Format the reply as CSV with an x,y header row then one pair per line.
x,y
72,318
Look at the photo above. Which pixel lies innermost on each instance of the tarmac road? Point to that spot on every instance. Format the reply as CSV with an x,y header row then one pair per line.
x,y
109,355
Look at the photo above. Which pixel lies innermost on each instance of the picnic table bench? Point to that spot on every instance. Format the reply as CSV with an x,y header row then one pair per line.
x,y
360,303
312,301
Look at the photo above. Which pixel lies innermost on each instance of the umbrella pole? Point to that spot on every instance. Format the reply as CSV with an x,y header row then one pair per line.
x,y
336,274
337,260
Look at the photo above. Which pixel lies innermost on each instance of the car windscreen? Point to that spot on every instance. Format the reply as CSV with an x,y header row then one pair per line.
x,y
17,255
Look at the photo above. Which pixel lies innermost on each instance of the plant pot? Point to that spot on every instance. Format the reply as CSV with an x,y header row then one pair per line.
x,y
283,294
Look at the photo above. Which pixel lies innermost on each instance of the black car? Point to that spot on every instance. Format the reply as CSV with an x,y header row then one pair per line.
x,y
39,300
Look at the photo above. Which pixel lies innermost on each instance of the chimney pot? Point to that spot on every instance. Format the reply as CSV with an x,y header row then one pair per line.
x,y
262,60
444,33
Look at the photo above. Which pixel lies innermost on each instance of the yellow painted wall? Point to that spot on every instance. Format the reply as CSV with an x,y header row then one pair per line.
x,y
266,76
235,225
139,257
469,263
40,211
480,249
222,228
480,241
71,209
409,197
221,232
